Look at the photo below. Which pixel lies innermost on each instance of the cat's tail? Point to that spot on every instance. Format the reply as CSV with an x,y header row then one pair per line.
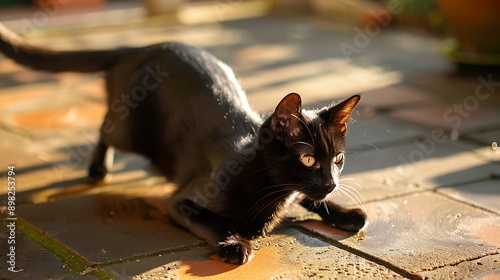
x,y
22,52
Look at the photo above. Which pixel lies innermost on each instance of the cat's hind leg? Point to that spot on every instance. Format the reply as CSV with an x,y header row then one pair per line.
x,y
101,162
230,246
343,218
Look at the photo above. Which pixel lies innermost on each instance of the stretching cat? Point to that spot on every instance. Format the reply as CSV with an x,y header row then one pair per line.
x,y
183,109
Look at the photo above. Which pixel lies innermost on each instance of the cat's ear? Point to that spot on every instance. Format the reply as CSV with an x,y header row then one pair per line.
x,y
286,114
338,115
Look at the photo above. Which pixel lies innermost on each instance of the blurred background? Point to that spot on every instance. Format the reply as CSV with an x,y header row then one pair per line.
x,y
421,16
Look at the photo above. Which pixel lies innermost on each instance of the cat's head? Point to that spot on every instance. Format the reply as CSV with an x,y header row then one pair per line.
x,y
309,146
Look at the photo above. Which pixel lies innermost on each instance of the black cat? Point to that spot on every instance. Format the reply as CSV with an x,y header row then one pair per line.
x,y
184,110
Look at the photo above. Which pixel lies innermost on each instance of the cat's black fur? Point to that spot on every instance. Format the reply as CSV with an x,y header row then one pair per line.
x,y
182,108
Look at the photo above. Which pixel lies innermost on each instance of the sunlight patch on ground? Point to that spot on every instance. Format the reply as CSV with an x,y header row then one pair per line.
x,y
221,11
259,55
401,171
336,83
261,79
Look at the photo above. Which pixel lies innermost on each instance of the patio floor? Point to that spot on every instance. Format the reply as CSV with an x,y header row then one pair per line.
x,y
422,152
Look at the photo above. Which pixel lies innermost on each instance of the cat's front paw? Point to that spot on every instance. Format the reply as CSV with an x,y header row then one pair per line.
x,y
350,219
346,219
235,250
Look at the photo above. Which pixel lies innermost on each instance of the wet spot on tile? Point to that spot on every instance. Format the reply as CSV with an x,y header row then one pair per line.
x,y
423,231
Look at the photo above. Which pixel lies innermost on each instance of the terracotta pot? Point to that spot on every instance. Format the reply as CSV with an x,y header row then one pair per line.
x,y
474,23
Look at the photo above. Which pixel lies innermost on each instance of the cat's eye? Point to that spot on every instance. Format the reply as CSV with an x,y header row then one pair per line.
x,y
308,160
338,158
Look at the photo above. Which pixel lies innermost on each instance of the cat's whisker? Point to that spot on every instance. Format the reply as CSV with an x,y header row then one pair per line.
x,y
350,180
371,144
358,204
326,207
347,179
335,192
351,188
356,199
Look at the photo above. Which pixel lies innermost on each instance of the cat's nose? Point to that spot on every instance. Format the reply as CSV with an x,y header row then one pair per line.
x,y
330,186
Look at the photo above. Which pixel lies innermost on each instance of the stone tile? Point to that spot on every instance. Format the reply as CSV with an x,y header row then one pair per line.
x,y
491,154
486,136
46,161
446,117
43,109
109,223
490,138
13,75
59,160
8,65
24,94
255,81
485,194
368,133
422,232
34,261
463,88
31,176
405,168
318,89
467,101
37,164
59,180
396,96
480,269
288,255
64,117
14,147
